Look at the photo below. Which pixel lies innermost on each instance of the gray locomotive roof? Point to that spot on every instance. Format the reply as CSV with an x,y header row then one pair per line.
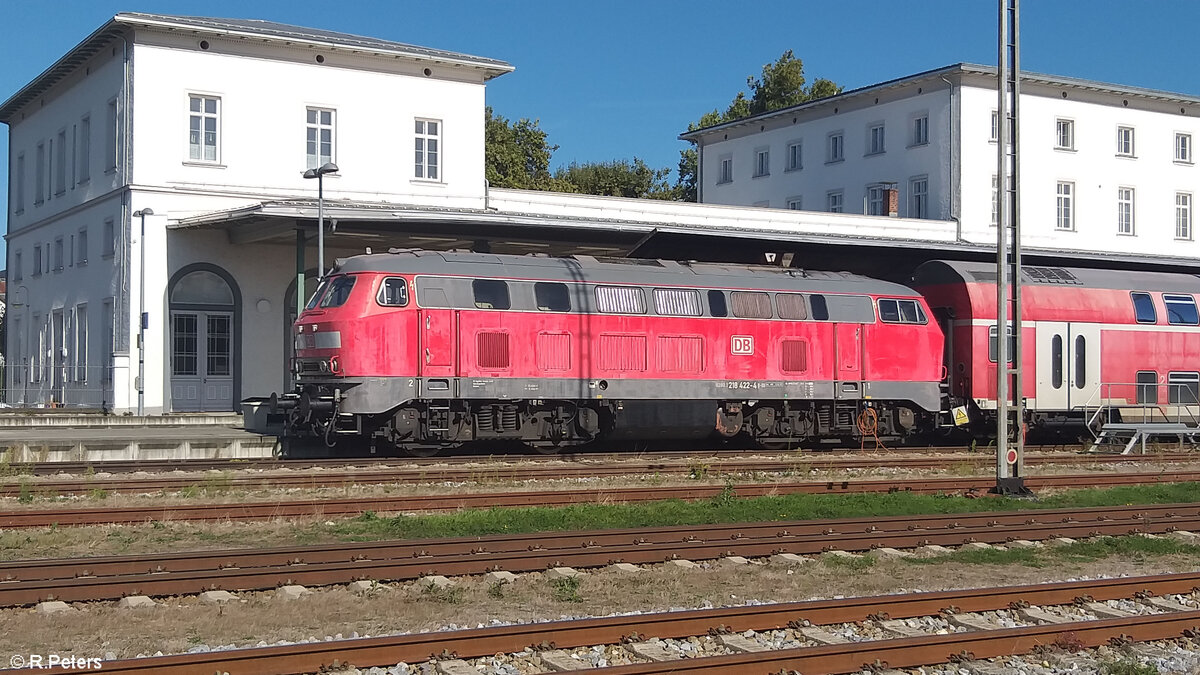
x,y
954,271
587,269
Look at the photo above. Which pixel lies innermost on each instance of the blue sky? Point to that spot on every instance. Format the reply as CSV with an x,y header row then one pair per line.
x,y
619,79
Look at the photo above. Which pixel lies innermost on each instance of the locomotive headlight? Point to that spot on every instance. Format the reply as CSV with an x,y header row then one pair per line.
x,y
324,366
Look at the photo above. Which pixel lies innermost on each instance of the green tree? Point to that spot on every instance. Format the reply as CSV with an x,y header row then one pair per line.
x,y
517,154
782,84
618,178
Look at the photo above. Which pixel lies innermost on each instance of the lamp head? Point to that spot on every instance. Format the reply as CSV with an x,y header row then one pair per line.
x,y
327,167
143,213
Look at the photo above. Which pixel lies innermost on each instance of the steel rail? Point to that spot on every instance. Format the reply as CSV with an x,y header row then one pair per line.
x,y
17,486
304,508
386,651
99,579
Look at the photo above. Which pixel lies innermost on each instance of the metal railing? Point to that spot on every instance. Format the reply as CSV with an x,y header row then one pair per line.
x,y
1144,403
47,385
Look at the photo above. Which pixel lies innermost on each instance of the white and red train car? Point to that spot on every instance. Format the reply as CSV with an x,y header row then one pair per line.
x,y
1089,337
427,350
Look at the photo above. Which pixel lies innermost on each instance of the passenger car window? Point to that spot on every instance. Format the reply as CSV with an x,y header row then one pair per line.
x,y
490,294
1181,309
393,292
1143,308
552,297
339,291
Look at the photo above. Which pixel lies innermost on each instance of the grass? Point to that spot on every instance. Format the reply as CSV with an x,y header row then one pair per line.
x,y
1135,547
565,589
727,507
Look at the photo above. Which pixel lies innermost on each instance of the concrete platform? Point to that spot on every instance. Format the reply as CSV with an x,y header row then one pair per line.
x,y
62,437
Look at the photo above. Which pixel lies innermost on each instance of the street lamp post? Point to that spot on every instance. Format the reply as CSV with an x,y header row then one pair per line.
x,y
319,174
141,378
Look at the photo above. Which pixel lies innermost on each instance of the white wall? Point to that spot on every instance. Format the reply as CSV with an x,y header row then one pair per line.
x,y
264,94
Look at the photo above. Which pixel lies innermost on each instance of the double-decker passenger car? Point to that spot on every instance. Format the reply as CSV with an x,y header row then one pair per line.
x,y
1089,337
427,350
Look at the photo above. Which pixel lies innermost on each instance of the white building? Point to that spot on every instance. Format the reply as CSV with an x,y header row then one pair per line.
x,y
1104,168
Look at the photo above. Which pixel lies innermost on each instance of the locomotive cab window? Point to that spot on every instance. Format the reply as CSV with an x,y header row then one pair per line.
x,y
716,304
552,297
620,300
901,311
992,347
339,291
490,294
820,308
1143,308
791,306
1181,309
676,302
751,305
316,296
393,292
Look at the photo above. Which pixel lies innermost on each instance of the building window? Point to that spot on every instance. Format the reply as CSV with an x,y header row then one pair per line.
x,y
795,203
429,151
795,156
835,201
837,147
37,260
1125,141
1124,210
58,254
81,252
762,162
875,139
726,173
108,323
81,342
39,180
1183,148
203,128
1065,219
918,197
1183,215
110,239
995,135
112,135
16,265
1065,134
60,173
995,200
875,201
19,186
319,137
920,130
85,149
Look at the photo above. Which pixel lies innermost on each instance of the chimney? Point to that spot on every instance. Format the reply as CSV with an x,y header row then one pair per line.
x,y
892,197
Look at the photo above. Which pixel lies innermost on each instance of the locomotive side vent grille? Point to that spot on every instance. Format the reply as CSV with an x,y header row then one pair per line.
x,y
1050,275
793,356
491,349
622,352
554,351
680,353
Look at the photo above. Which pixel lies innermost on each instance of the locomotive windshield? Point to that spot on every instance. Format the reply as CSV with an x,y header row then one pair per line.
x,y
316,296
339,291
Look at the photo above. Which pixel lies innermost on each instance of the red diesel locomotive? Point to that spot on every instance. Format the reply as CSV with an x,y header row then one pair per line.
x,y
426,350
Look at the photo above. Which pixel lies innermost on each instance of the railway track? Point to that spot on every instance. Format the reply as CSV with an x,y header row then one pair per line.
x,y
325,508
544,470
1073,614
27,582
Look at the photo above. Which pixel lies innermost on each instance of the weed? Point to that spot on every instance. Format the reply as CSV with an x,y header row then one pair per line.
x,y
496,590
218,483
728,495
1068,642
859,564
1128,666
565,589
448,595
190,492
97,494
25,496
698,471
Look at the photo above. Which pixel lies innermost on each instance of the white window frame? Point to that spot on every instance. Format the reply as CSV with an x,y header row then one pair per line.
x,y
995,200
795,203
1125,141
313,126
1183,216
995,133
835,147
918,197
422,152
876,202
762,162
795,156
1125,210
198,120
876,139
1064,218
835,201
1183,147
1064,134
920,130
725,170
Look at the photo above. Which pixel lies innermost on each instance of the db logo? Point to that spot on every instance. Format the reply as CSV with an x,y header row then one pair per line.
x,y
741,344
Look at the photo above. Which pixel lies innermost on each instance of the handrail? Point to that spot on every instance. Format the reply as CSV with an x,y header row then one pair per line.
x,y
1182,397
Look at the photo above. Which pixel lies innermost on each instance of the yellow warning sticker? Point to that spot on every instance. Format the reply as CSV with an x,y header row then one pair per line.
x,y
960,416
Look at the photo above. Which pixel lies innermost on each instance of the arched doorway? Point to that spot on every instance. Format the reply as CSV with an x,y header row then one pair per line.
x,y
205,359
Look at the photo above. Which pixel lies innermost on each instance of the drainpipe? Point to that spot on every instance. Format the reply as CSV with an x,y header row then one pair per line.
x,y
953,212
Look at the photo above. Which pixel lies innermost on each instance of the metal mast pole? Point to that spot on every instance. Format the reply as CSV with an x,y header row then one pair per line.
x,y
1009,392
